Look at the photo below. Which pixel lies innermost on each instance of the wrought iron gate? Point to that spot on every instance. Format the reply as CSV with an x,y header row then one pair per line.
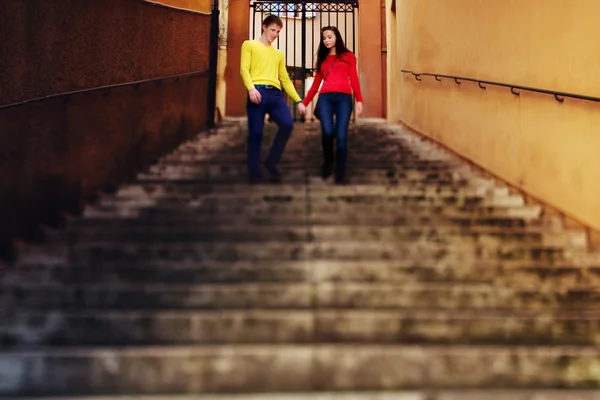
x,y
301,33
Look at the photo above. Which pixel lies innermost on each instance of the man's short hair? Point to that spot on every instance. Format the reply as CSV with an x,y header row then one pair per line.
x,y
272,19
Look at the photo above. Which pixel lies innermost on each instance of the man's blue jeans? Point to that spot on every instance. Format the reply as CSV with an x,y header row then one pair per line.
x,y
274,104
340,105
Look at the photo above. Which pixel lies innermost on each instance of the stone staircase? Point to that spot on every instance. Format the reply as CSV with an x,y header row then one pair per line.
x,y
419,280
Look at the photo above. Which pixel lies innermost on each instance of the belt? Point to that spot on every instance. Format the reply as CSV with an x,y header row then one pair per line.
x,y
268,87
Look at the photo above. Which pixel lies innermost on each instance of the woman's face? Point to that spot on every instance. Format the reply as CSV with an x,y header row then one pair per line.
x,y
329,39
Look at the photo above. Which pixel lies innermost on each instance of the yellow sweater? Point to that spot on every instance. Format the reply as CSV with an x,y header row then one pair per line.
x,y
262,65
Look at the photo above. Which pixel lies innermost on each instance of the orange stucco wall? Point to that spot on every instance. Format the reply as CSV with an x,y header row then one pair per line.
x,y
238,29
548,149
370,66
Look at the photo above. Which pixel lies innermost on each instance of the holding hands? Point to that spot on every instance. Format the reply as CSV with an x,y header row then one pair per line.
x,y
301,108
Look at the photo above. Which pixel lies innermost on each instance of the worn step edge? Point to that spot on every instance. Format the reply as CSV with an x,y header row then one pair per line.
x,y
333,295
565,277
401,264
283,251
276,368
425,394
446,228
176,327
239,232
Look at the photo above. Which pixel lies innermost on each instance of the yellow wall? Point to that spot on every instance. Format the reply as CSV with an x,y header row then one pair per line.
x,y
550,150
195,5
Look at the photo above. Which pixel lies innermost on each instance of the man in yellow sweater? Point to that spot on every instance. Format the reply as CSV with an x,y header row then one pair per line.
x,y
264,74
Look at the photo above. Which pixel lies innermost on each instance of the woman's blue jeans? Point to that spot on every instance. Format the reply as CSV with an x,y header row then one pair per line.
x,y
338,105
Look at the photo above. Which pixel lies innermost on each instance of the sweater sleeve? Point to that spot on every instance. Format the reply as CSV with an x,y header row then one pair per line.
x,y
313,89
246,59
354,79
287,84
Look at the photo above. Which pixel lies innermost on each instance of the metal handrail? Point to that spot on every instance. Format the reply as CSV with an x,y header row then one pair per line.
x,y
514,89
170,7
135,85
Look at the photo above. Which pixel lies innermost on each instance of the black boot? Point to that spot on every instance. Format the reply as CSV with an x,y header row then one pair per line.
x,y
340,167
275,175
327,156
326,169
340,176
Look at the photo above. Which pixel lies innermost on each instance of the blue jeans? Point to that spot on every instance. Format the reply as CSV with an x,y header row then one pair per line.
x,y
340,105
274,104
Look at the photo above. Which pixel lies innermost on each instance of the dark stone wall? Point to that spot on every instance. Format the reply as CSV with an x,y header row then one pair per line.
x,y
57,153
53,46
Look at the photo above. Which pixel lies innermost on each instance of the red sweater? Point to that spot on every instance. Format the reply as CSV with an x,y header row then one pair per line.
x,y
342,78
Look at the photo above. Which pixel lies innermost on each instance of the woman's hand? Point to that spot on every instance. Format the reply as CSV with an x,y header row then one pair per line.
x,y
359,108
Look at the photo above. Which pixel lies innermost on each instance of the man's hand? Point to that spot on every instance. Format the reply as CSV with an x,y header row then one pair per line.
x,y
301,108
255,96
359,108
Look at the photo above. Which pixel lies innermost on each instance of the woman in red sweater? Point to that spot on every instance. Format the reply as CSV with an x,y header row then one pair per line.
x,y
336,68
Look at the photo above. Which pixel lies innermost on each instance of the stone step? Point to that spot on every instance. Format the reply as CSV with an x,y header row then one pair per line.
x,y
331,233
174,327
416,206
316,188
395,168
280,213
291,178
296,158
532,274
276,368
413,201
358,175
200,192
339,250
311,157
297,177
334,232
397,163
150,218
424,394
312,145
105,251
300,183
395,153
409,204
418,199
378,295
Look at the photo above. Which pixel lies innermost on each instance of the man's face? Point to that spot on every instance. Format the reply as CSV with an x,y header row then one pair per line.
x,y
271,32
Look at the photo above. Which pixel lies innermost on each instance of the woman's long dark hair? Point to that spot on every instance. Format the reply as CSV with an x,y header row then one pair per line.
x,y
323,52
